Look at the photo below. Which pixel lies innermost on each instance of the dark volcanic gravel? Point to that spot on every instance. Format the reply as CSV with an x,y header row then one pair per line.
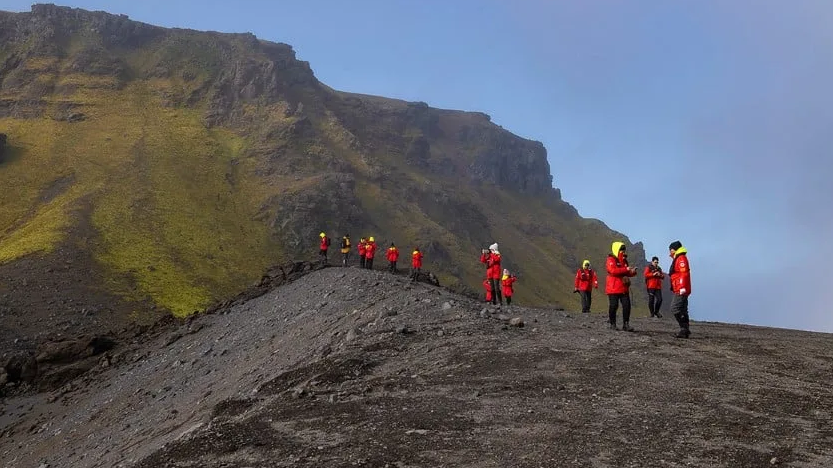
x,y
347,368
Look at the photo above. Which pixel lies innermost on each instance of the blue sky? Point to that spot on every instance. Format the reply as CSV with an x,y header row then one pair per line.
x,y
709,122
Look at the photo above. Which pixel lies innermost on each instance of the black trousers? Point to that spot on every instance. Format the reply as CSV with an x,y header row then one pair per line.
x,y
392,267
415,273
361,260
679,305
654,301
322,253
345,257
614,300
496,295
508,300
368,263
586,301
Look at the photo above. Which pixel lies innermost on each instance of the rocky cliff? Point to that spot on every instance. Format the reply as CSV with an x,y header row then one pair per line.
x,y
160,170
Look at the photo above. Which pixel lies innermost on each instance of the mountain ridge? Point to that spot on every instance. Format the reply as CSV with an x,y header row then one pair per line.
x,y
176,165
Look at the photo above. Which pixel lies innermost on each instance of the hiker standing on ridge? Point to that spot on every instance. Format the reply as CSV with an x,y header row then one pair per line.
x,y
345,249
507,282
362,249
491,258
586,280
680,272
653,281
322,250
369,253
617,286
416,263
392,256
487,285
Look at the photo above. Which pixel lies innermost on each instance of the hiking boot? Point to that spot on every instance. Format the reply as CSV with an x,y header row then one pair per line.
x,y
659,315
683,333
626,327
612,326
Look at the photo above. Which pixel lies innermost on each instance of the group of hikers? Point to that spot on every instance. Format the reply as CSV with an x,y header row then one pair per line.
x,y
617,286
367,252
499,282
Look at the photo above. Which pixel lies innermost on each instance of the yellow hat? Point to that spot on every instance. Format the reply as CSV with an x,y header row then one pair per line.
x,y
322,235
372,239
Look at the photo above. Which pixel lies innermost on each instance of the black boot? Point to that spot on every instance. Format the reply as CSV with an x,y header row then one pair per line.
x,y
626,327
612,326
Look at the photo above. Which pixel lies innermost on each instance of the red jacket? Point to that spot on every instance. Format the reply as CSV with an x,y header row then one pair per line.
x,y
653,281
488,286
362,248
393,254
324,244
492,261
586,279
507,282
370,250
617,272
680,273
416,259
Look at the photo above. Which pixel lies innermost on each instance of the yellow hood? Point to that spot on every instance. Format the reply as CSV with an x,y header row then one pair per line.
x,y
680,251
585,264
505,277
615,248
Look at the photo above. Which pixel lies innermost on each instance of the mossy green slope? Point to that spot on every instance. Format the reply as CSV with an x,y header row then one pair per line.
x,y
201,158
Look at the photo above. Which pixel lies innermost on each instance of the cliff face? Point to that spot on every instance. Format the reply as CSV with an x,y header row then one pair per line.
x,y
175,165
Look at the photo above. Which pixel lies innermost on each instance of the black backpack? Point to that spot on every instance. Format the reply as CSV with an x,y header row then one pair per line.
x,y
328,242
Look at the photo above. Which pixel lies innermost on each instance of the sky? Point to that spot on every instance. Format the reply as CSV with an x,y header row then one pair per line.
x,y
710,122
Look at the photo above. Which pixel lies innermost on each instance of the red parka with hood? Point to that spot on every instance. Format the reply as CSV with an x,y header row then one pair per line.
x,y
618,274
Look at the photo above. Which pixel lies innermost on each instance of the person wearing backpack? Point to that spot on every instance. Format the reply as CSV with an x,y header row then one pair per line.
x,y
392,255
653,282
369,253
345,249
586,280
323,247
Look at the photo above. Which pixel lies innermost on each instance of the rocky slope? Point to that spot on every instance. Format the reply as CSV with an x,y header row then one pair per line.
x,y
347,367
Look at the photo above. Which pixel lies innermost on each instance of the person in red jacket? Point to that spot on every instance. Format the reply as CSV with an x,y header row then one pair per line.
x,y
491,258
369,253
323,247
392,255
507,282
586,280
487,285
416,263
362,249
653,281
680,273
617,286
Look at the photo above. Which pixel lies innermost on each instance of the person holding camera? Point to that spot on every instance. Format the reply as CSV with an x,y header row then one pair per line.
x,y
617,286
653,281
491,257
